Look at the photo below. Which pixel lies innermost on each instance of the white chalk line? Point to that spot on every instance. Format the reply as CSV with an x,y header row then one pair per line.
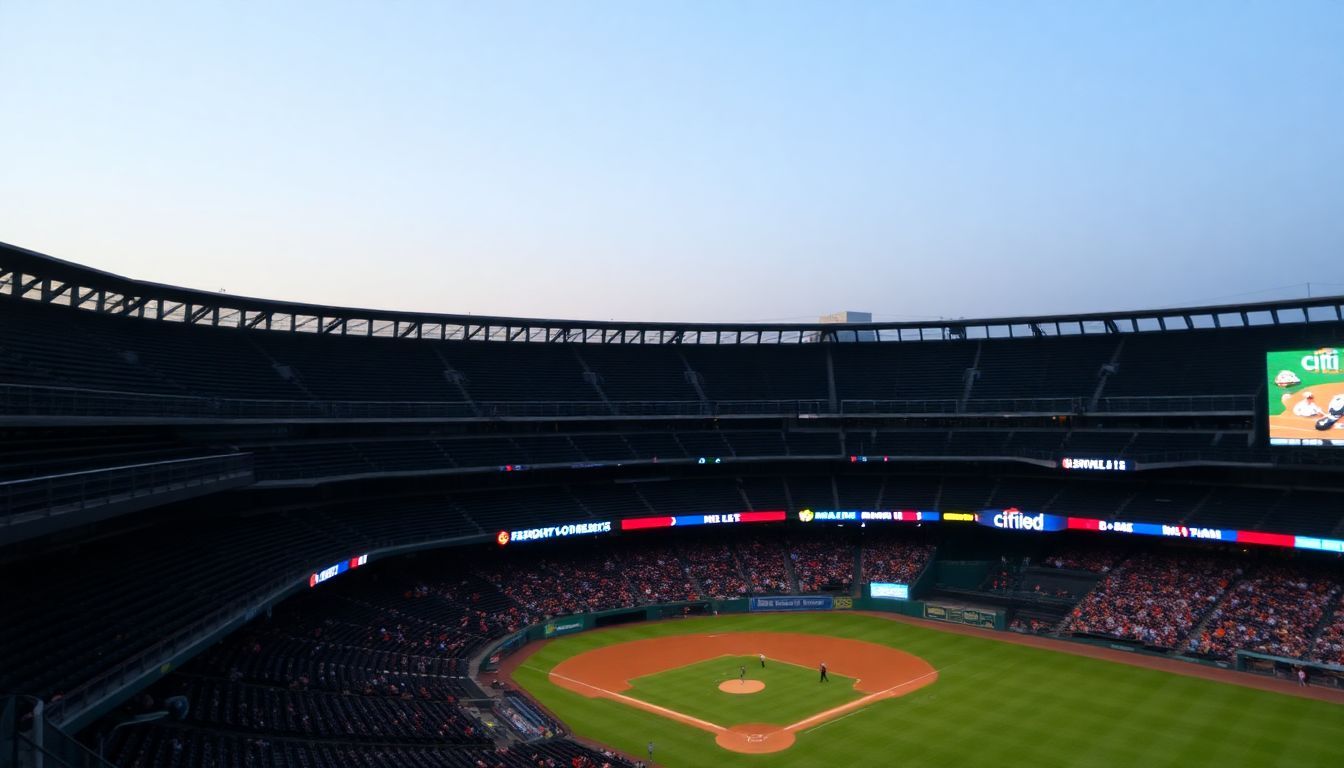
x,y
641,704
826,718
836,720
856,705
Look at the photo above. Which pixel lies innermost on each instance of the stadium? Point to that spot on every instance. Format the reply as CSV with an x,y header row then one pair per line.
x,y
247,532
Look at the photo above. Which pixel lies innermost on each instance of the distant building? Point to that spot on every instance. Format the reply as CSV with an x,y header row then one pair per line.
x,y
844,318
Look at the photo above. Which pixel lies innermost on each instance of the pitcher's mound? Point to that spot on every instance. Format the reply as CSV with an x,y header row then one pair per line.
x,y
741,686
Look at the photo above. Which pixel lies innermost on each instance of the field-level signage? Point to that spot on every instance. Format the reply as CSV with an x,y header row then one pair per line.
x,y
562,627
821,603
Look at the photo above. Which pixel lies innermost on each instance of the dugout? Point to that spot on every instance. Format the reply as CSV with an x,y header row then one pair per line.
x,y
1318,674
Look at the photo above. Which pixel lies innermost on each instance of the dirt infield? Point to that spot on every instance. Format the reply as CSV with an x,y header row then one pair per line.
x,y
1286,424
879,671
741,687
746,737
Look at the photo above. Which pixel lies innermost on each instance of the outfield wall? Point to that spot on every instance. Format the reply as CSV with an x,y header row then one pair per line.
x,y
583,622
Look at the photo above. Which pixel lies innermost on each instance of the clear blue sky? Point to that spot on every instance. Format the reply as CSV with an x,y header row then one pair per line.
x,y
687,160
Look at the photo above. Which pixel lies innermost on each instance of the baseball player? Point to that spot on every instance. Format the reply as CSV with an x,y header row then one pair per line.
x,y
824,678
762,655
1336,409
742,674
1307,407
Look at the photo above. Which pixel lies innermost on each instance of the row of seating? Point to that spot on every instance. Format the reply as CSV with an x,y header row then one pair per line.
x,y
56,346
101,603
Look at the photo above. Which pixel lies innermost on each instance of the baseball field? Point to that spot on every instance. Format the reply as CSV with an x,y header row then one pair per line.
x,y
903,694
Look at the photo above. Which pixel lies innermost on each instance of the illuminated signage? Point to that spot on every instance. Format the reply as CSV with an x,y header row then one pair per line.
x,y
867,515
1096,465
332,571
959,517
553,532
889,591
1013,519
680,521
1305,397
1191,532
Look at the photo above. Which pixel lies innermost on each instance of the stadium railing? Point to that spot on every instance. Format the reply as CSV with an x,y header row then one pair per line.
x,y
28,738
1178,404
17,400
30,500
163,655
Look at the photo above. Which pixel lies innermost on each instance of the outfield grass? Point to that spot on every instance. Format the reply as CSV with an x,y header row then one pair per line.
x,y
791,693
994,704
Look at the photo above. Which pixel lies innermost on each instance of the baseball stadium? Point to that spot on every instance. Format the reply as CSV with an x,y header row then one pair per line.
x,y
267,534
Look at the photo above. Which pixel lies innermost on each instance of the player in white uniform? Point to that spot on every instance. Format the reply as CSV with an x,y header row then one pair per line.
x,y
1307,407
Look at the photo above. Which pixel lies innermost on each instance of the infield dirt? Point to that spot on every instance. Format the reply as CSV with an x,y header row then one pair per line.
x,y
879,671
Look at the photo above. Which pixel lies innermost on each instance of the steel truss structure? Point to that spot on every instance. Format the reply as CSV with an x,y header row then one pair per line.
x,y
27,275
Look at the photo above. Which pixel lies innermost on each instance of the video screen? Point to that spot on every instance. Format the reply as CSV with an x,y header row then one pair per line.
x,y
889,590
1306,397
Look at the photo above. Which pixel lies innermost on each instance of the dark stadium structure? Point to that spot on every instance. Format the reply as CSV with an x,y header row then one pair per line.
x,y
184,470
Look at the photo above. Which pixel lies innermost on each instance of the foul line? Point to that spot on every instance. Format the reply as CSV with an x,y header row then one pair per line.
x,y
641,704
836,720
823,718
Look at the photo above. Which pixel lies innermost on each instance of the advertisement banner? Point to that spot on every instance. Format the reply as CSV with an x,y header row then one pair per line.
x,y
959,615
819,603
1306,397
1014,519
682,521
563,627
504,538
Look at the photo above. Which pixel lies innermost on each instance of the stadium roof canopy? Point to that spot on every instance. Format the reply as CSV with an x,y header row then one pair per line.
x,y
29,275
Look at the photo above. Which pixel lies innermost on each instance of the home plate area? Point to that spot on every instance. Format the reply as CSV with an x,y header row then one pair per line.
x,y
672,677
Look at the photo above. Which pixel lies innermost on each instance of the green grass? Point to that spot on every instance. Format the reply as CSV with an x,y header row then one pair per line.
x,y
791,692
995,704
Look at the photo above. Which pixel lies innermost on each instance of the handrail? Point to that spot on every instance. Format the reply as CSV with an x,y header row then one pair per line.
x,y
36,400
27,499
118,467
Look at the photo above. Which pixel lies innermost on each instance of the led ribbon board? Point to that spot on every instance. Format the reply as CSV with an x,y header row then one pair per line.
x,y
681,521
1096,465
1014,519
553,532
332,571
866,516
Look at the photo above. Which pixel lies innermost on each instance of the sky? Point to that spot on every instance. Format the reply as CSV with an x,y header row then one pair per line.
x,y
698,161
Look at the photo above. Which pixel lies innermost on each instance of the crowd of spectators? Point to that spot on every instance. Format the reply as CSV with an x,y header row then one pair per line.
x,y
714,566
1092,557
823,564
657,573
562,585
763,560
1030,625
1154,598
1274,611
894,560
1329,646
